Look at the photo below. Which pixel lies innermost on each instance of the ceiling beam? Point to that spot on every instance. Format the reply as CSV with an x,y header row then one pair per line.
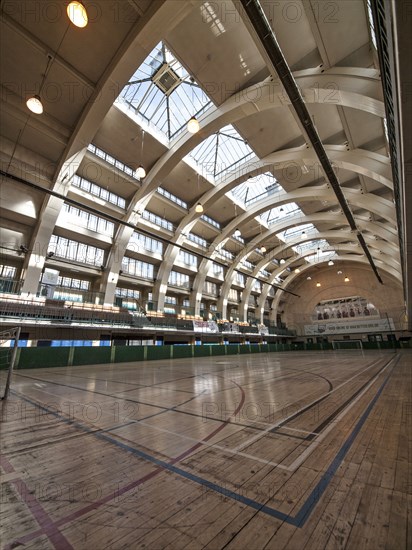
x,y
278,64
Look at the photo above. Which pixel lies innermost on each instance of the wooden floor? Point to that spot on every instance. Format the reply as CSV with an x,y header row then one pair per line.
x,y
283,450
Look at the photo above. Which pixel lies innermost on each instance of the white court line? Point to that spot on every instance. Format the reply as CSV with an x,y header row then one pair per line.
x,y
213,445
238,452
327,394
302,457
296,463
192,439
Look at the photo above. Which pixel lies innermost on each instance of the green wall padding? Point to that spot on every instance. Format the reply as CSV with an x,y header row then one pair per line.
x,y
59,356
182,351
37,358
218,349
128,353
91,355
202,351
232,349
158,352
5,355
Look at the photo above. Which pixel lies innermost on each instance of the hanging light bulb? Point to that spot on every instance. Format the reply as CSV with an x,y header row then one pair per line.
x,y
330,262
77,14
199,206
263,249
339,272
281,209
346,279
297,270
193,125
35,105
282,261
303,235
237,232
318,284
141,172
308,278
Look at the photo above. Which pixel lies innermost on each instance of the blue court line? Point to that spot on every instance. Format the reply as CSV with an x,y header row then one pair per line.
x,y
303,514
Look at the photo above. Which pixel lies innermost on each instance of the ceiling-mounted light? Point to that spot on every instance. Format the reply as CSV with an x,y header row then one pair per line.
x,y
77,14
141,172
237,232
330,263
263,249
35,105
318,284
346,279
297,270
193,125
282,261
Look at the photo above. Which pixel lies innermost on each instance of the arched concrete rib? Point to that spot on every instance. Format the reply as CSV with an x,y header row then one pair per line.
x,y
384,259
390,250
159,18
265,96
388,243
360,259
374,204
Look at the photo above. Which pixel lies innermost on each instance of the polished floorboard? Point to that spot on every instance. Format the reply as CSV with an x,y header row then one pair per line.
x,y
280,451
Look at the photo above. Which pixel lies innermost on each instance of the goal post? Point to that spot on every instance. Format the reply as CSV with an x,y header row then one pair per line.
x,y
9,357
347,345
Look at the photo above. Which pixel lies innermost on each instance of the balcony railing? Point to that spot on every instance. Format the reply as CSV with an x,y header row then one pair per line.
x,y
10,286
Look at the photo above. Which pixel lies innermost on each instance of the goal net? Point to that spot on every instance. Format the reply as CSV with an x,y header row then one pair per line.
x,y
347,344
9,340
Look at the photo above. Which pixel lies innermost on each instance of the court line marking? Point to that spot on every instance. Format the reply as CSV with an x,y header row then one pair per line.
x,y
264,432
304,512
206,444
238,451
316,442
291,467
301,517
45,522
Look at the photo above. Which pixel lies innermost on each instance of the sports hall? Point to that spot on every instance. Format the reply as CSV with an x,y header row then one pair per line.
x,y
205,275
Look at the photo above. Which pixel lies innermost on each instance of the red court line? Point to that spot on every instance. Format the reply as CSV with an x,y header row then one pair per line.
x,y
37,510
42,517
6,465
93,506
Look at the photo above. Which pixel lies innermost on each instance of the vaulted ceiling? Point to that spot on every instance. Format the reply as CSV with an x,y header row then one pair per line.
x,y
257,151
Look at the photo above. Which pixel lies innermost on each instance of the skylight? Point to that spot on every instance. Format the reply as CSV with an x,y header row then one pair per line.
x,y
163,93
317,246
277,213
256,188
321,256
223,151
298,231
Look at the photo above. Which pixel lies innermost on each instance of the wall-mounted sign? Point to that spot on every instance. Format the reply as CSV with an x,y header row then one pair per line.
x,y
355,326
205,326
344,308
